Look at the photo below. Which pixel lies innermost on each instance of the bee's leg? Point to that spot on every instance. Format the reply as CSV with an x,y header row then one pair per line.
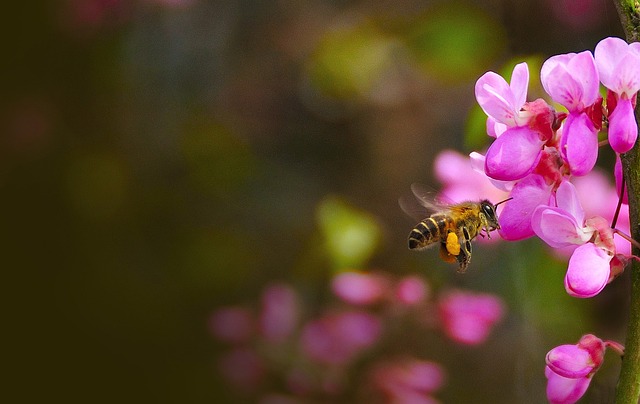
x,y
465,250
485,226
445,254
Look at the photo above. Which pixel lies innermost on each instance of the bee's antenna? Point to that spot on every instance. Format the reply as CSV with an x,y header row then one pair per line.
x,y
506,200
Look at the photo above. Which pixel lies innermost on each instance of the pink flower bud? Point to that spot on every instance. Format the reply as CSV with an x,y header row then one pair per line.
x,y
570,368
563,390
588,271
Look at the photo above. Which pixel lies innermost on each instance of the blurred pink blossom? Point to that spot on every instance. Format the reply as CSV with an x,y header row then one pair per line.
x,y
232,324
274,398
578,14
409,380
411,290
359,288
338,338
468,317
242,368
280,312
463,180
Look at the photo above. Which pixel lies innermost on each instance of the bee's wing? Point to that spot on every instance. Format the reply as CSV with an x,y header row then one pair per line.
x,y
427,197
423,205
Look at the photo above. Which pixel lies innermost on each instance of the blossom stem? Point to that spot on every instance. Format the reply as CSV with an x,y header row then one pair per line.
x,y
628,389
615,216
603,143
627,237
615,346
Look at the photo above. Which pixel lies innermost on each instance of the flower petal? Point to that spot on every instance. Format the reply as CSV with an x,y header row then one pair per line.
x,y
618,64
569,361
608,54
571,80
588,271
514,154
627,78
579,143
501,101
567,200
557,228
515,219
623,129
520,83
562,390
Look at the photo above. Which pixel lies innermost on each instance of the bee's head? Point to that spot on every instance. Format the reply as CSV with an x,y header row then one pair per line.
x,y
489,211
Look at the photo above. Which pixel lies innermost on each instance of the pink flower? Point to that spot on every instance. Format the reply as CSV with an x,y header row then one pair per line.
x,y
338,338
411,290
503,102
231,324
570,368
517,151
618,64
468,317
572,80
359,288
463,178
280,312
409,380
521,129
565,225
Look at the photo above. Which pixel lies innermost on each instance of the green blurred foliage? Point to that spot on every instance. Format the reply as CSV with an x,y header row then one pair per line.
x,y
349,61
351,236
218,161
456,41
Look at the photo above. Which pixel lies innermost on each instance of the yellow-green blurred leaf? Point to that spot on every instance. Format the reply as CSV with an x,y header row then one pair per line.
x,y
350,235
348,62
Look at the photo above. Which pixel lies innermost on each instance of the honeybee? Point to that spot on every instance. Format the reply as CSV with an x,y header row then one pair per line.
x,y
452,225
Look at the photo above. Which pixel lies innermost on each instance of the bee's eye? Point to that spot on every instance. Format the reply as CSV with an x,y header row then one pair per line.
x,y
488,210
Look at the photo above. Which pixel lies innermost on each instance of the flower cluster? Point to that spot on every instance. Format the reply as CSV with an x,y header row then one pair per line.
x,y
538,152
545,159
277,348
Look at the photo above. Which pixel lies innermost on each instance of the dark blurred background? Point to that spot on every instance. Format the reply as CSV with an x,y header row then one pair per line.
x,y
161,158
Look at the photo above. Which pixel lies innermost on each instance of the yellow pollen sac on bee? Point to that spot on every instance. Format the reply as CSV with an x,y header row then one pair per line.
x,y
453,245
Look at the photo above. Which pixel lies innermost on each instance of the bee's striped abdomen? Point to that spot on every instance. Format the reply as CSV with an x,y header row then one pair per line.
x,y
429,231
